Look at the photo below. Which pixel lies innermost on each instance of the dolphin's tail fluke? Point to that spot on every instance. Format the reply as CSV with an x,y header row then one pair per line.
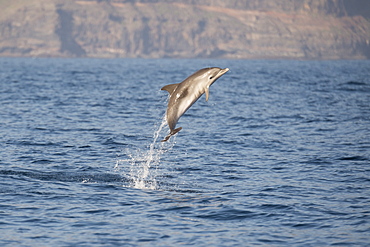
x,y
173,132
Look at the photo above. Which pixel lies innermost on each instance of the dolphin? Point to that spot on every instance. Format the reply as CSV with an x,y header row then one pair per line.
x,y
186,93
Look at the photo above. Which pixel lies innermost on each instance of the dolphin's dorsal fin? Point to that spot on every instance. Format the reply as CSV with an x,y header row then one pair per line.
x,y
170,88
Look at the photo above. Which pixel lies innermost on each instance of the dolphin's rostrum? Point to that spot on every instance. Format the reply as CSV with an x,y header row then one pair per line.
x,y
184,94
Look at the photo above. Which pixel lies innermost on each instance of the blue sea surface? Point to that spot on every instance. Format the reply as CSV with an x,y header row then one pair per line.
x,y
278,156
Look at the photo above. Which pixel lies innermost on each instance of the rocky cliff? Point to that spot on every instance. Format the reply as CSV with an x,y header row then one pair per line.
x,y
295,29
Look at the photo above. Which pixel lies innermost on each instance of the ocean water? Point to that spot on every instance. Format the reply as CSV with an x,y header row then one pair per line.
x,y
278,156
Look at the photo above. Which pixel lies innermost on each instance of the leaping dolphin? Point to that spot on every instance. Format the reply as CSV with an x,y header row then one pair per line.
x,y
186,93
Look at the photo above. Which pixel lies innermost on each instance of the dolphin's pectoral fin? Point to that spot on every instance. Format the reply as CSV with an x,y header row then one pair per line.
x,y
170,88
207,93
173,132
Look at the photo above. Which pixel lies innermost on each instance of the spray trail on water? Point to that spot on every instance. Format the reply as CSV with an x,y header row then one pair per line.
x,y
141,174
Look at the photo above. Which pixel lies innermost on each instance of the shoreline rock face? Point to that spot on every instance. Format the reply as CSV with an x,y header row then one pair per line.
x,y
235,29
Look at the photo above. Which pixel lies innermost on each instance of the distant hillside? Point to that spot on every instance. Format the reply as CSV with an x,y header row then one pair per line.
x,y
293,29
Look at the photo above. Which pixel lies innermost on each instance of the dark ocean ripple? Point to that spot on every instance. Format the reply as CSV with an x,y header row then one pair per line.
x,y
278,156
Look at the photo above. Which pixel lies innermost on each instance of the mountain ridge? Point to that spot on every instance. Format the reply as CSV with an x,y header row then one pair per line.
x,y
291,29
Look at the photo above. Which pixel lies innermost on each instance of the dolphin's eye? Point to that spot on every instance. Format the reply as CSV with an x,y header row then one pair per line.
x,y
211,78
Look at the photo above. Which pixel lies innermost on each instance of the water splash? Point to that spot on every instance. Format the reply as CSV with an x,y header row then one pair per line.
x,y
144,164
